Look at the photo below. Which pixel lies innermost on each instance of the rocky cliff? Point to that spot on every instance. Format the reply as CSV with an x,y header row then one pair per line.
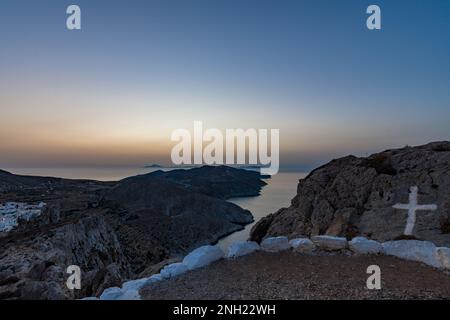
x,y
355,196
36,268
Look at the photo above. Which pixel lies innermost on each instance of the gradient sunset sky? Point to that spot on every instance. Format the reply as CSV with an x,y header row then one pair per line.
x,y
112,93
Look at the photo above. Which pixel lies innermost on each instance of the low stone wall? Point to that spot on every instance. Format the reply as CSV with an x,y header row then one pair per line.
x,y
413,250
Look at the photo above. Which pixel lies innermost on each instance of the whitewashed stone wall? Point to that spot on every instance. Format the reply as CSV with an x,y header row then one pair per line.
x,y
413,250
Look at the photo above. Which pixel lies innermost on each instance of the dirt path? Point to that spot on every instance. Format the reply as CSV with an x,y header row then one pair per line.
x,y
294,276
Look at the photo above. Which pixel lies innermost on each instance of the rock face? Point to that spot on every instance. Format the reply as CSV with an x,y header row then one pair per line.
x,y
355,196
36,268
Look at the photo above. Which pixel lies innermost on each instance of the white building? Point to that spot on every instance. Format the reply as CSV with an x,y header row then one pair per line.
x,y
12,212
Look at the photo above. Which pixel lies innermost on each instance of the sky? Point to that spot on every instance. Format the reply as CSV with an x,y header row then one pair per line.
x,y
111,93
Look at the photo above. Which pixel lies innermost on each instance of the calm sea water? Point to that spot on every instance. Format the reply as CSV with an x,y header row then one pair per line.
x,y
278,192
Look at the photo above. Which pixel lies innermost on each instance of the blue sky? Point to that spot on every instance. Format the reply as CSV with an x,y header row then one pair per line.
x,y
111,93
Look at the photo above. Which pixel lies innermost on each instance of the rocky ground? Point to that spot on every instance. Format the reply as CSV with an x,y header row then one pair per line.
x,y
289,275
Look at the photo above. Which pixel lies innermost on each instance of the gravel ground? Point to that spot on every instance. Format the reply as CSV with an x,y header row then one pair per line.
x,y
289,275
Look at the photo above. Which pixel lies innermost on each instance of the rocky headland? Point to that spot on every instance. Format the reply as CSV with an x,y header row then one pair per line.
x,y
354,196
115,231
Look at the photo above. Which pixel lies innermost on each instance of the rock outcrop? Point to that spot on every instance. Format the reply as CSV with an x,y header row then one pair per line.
x,y
355,196
35,267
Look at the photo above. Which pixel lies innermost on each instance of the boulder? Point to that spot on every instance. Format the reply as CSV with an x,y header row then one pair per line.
x,y
134,284
444,257
330,243
203,256
275,244
173,270
242,248
302,245
154,278
111,293
130,295
363,245
414,250
129,291
355,196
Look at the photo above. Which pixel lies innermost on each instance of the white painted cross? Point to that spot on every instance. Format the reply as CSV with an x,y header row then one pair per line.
x,y
412,207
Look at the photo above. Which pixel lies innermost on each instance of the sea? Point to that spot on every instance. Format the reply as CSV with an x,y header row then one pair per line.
x,y
278,192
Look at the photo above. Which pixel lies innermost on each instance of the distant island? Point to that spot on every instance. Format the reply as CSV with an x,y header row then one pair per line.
x,y
190,166
155,165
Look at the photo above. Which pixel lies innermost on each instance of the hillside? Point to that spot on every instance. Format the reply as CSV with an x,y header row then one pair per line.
x,y
114,231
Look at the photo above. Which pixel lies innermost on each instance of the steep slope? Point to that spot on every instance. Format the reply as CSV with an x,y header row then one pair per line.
x,y
161,214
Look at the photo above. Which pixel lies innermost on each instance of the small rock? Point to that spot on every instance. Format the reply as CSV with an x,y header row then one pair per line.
x,y
173,270
363,245
130,295
111,293
242,248
421,251
134,284
302,245
330,242
154,278
203,256
444,257
90,298
275,244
